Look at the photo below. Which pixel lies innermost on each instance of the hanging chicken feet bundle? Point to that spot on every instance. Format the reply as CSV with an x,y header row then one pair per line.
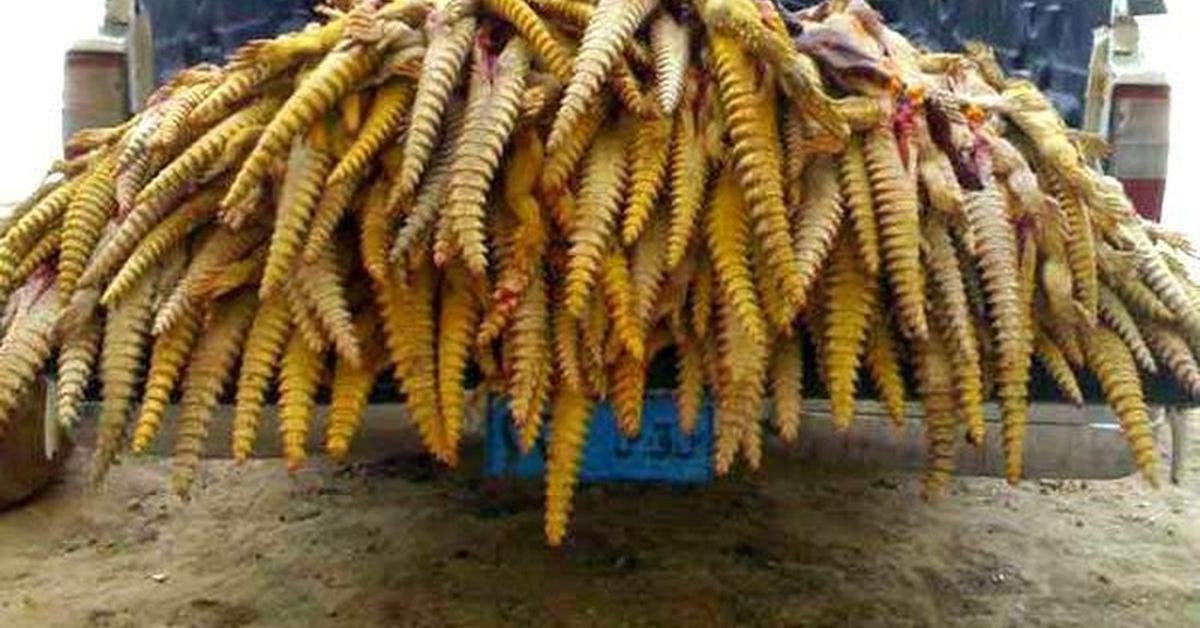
x,y
553,192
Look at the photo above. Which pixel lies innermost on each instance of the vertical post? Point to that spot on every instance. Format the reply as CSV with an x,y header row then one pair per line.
x,y
1178,420
139,58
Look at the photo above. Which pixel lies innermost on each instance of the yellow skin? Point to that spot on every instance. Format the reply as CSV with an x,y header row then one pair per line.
x,y
648,160
1158,277
935,381
308,166
1008,311
174,130
375,226
818,220
376,216
209,370
629,91
337,73
449,47
1138,297
729,248
593,345
575,13
351,387
568,431
529,236
669,40
703,288
408,319
968,266
130,180
538,99
740,391
689,167
27,229
27,344
236,87
458,319
385,118
562,163
510,285
618,294
1176,355
258,61
1055,363
567,350
90,209
860,205
647,268
221,248
1110,360
883,361
1037,118
244,272
671,304
157,243
527,350
798,150
608,33
897,210
531,28
42,251
77,356
627,391
167,359
428,201
689,393
337,199
754,138
85,141
350,113
861,113
850,295
126,334
477,156
136,227
948,302
265,342
777,310
323,286
304,315
937,177
135,144
1118,318
799,76
301,371
1009,165
601,190
787,385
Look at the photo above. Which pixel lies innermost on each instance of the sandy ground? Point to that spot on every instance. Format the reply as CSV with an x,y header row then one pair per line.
x,y
396,542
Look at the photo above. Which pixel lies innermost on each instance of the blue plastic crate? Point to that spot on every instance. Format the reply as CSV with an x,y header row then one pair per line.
x,y
661,453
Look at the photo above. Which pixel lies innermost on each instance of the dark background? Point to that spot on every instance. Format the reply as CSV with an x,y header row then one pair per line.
x,y
1048,41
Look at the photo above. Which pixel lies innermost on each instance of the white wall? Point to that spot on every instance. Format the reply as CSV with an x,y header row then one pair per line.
x,y
34,35
1181,207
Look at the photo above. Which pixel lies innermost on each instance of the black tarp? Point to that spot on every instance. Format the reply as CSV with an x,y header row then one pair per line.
x,y
186,32
1049,42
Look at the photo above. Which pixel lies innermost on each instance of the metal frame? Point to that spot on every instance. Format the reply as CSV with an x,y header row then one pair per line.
x,y
1177,419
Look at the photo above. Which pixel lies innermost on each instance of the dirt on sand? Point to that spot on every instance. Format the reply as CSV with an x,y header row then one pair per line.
x,y
397,542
